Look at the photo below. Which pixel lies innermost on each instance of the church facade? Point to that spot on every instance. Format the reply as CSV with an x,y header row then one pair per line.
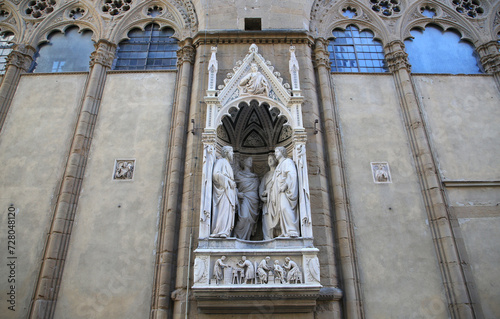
x,y
250,159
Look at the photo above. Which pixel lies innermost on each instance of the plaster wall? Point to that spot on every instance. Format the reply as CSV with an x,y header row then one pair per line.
x,y
34,145
463,116
231,14
399,273
109,272
481,239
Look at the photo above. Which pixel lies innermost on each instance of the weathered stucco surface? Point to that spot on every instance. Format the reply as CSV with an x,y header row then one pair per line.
x,y
463,116
481,238
110,268
399,274
34,145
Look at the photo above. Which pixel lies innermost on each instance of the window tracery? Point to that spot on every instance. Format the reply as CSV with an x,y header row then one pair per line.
x,y
386,7
349,12
76,13
155,11
471,8
151,49
356,51
4,14
428,11
38,8
5,49
116,7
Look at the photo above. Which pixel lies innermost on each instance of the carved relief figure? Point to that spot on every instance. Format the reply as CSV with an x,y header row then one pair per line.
x,y
279,272
380,174
263,270
268,196
248,186
219,269
293,270
124,170
224,195
249,268
254,83
285,179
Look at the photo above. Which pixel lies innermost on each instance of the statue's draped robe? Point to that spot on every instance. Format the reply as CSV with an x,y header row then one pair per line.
x,y
248,187
270,219
285,177
224,198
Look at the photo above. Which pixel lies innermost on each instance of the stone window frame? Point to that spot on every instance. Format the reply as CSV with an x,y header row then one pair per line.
x,y
130,53
363,53
6,45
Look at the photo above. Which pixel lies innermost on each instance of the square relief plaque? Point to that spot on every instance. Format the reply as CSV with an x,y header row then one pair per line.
x,y
124,169
381,173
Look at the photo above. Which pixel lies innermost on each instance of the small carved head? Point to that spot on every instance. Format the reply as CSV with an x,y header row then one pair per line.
x,y
271,160
280,152
227,152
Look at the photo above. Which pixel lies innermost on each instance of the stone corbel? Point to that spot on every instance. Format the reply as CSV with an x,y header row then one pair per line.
x,y
104,54
21,57
186,53
396,56
321,56
489,56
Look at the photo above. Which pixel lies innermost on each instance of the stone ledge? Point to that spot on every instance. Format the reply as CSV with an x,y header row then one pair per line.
x,y
285,298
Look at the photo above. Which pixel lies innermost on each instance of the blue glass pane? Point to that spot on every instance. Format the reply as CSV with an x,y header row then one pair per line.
x,y
435,51
68,52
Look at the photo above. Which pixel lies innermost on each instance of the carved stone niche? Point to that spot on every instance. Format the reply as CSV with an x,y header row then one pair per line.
x,y
255,115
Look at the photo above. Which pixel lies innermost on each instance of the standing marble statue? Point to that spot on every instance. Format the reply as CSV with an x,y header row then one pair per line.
x,y
248,213
224,195
254,82
285,179
267,193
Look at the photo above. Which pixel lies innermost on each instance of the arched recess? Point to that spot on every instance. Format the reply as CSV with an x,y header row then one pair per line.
x,y
494,21
327,17
446,18
11,21
61,19
263,120
140,16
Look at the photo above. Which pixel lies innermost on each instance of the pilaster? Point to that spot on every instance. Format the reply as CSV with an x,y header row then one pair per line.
x,y
343,226
56,249
18,62
457,291
166,258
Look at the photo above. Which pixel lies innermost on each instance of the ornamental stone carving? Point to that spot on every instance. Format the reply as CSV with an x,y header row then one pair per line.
x,y
104,54
124,170
116,7
40,8
380,172
185,54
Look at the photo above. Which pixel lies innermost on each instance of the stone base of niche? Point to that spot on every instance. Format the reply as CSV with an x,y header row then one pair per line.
x,y
233,294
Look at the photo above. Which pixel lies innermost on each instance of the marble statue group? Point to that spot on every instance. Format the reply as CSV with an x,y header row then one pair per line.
x,y
237,198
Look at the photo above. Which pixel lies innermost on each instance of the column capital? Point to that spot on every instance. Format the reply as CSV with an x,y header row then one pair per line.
x,y
396,56
489,56
321,56
186,53
21,56
104,53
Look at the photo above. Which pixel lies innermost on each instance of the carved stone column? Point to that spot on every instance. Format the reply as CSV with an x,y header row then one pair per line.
x,y
344,228
62,222
454,280
490,59
18,62
166,261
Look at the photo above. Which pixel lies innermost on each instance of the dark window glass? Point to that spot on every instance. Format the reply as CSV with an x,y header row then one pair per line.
x,y
356,51
5,49
65,52
151,49
435,51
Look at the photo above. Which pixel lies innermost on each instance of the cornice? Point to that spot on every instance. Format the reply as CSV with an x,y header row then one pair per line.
x,y
249,37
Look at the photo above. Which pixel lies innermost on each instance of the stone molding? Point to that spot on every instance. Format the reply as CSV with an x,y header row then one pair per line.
x,y
186,54
321,55
490,56
21,57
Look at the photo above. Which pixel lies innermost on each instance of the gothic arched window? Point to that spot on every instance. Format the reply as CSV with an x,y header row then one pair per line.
x,y
5,49
436,51
151,49
356,51
65,52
